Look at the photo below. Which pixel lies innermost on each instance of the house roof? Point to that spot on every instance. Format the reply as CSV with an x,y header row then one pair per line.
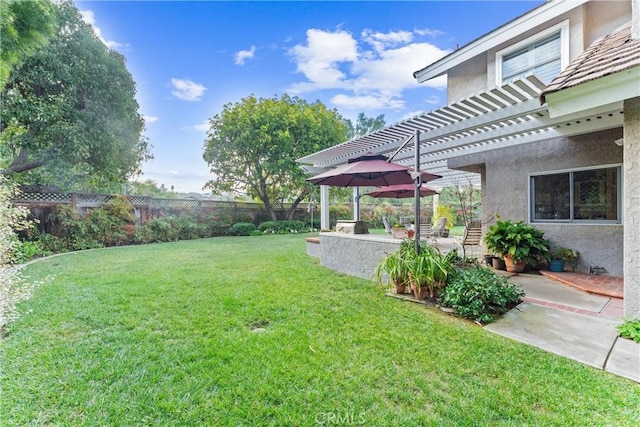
x,y
611,53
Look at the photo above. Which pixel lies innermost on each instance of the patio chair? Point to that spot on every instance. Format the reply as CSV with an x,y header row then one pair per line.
x,y
387,227
472,235
438,230
425,227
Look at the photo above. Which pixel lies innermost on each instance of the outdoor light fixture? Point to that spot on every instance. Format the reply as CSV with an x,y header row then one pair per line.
x,y
619,142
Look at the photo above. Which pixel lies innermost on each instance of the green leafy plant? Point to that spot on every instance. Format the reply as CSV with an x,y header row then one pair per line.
x,y
630,329
242,229
521,241
480,294
282,227
565,254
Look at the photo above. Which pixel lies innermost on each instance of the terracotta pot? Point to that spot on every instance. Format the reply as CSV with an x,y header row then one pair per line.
x,y
420,293
512,266
410,234
399,287
399,232
498,263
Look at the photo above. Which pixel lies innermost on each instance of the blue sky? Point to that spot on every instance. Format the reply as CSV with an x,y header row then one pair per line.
x,y
189,58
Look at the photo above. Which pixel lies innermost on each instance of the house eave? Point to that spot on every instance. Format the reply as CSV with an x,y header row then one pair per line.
x,y
609,90
533,19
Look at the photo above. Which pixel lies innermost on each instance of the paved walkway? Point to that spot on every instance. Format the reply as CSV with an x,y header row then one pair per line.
x,y
572,323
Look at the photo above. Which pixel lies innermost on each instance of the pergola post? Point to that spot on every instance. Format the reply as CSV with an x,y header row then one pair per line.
x,y
324,208
356,203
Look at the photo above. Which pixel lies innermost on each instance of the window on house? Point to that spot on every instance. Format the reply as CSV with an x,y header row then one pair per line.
x,y
541,58
544,55
577,196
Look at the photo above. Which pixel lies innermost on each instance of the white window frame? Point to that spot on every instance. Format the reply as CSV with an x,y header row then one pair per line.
x,y
563,27
620,197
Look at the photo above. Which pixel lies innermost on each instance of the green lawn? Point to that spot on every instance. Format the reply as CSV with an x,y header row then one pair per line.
x,y
164,334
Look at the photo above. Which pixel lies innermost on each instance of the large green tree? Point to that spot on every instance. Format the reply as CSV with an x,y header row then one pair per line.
x,y
69,113
24,27
252,147
364,125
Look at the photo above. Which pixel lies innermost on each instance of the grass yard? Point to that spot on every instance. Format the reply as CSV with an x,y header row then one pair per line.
x,y
165,334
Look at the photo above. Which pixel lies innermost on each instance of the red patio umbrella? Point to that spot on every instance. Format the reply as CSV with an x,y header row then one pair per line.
x,y
400,191
369,170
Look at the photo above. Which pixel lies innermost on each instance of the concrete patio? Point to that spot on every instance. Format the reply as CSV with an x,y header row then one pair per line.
x,y
571,323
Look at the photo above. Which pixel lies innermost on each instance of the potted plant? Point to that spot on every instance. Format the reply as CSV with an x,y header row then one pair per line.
x,y
428,271
560,256
399,231
395,267
517,242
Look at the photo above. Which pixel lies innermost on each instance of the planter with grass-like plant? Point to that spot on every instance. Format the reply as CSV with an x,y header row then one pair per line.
x,y
517,243
396,270
428,271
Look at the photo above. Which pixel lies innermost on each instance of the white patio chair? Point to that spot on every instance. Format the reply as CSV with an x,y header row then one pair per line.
x,y
387,227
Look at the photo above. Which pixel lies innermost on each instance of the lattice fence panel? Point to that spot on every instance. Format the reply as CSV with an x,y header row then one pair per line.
x,y
44,198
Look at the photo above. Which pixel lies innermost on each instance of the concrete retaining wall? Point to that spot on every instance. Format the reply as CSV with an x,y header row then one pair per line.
x,y
355,254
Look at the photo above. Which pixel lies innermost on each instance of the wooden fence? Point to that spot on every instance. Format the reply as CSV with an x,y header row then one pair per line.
x,y
43,204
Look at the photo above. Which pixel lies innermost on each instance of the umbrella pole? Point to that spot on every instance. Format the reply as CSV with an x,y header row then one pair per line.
x,y
418,183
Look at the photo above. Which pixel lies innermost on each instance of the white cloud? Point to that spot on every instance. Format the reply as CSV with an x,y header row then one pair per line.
x,y
367,102
369,73
381,41
89,17
187,90
202,127
320,58
243,55
428,32
150,119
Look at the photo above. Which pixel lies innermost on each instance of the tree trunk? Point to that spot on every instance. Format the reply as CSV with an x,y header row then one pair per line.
x,y
22,164
294,205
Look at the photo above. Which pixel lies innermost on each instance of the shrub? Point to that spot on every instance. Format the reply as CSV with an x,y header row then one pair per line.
x,y
282,227
72,229
216,228
188,228
26,250
143,234
242,229
105,228
630,329
13,287
446,212
479,294
51,244
162,230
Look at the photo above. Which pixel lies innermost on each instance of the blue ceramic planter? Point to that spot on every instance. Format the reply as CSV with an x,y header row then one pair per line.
x,y
556,265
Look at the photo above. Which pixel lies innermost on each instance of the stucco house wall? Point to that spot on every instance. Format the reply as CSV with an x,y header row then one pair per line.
x,y
467,78
505,186
632,206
